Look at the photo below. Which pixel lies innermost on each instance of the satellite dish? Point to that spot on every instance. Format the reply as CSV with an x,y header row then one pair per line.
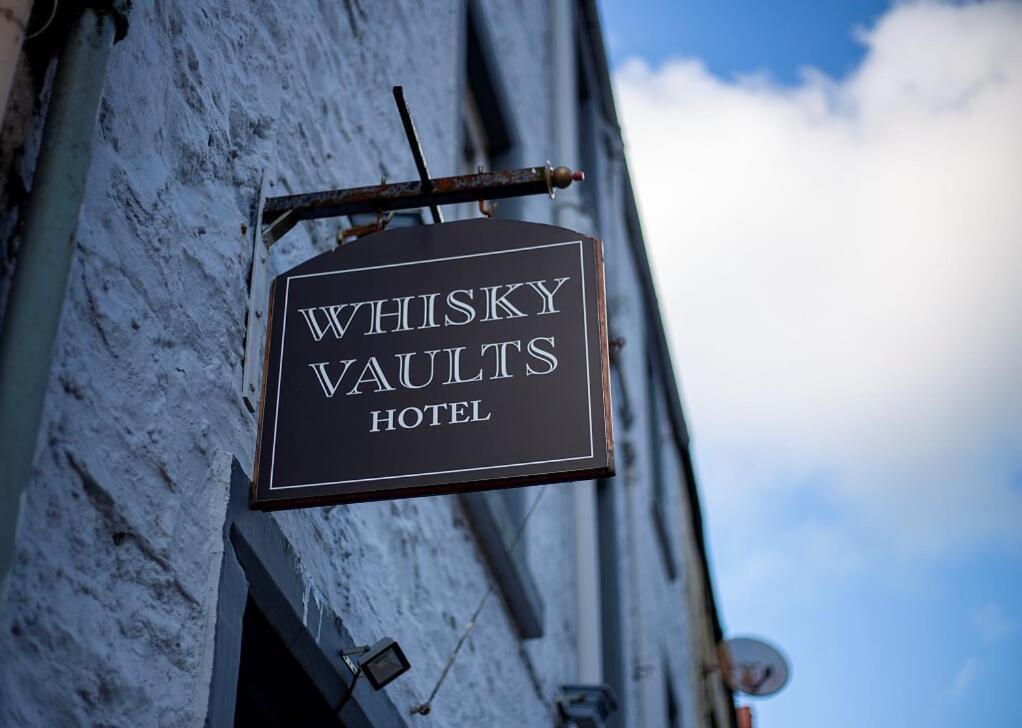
x,y
754,667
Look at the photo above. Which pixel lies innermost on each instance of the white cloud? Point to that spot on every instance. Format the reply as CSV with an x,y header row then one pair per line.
x,y
992,623
841,268
965,677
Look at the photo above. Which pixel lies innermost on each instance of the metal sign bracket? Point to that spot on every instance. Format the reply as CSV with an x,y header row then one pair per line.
x,y
278,215
258,299
275,216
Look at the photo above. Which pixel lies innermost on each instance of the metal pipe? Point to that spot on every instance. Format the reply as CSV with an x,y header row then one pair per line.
x,y
44,259
13,23
564,109
406,195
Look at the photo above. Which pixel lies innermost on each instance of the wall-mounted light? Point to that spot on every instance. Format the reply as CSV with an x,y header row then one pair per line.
x,y
585,706
382,663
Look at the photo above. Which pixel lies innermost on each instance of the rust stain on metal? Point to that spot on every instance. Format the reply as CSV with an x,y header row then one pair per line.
x,y
412,194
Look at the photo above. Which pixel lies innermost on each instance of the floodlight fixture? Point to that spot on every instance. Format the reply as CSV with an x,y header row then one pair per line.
x,y
382,663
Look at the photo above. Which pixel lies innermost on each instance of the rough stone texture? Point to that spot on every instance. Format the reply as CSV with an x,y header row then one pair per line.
x,y
108,617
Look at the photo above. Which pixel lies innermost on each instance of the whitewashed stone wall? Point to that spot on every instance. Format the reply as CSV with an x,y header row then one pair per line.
x,y
108,619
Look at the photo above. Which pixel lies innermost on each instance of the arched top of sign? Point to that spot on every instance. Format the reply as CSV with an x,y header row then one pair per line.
x,y
476,236
436,359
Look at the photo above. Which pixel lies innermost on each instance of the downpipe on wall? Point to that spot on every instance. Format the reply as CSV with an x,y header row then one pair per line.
x,y
36,297
566,211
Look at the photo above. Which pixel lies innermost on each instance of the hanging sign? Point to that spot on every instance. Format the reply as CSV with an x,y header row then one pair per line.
x,y
436,359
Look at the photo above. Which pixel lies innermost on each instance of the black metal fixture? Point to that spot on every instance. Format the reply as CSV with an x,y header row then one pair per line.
x,y
382,663
280,214
585,706
416,146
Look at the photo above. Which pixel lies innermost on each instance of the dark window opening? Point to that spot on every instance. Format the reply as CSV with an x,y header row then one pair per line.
x,y
659,510
488,136
482,82
620,396
273,689
673,710
589,126
475,147
488,143
653,412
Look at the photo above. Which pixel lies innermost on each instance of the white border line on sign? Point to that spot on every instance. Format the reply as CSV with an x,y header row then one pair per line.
x,y
280,368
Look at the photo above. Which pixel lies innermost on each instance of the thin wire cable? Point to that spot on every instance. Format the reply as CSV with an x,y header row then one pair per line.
x,y
53,14
351,691
425,707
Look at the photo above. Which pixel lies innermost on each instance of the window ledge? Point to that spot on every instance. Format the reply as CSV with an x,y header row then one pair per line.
x,y
663,539
494,531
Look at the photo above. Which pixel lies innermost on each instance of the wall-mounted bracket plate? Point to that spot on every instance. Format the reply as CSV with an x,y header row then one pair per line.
x,y
258,300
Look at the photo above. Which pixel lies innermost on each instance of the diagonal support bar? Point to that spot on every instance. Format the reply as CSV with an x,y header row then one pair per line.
x,y
416,147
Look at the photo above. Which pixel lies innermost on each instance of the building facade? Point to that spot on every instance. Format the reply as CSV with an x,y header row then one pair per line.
x,y
141,588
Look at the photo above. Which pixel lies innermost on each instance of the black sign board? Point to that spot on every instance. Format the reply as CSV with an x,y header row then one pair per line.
x,y
436,359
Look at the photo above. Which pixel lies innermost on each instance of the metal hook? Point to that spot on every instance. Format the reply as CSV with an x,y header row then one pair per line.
x,y
484,209
358,231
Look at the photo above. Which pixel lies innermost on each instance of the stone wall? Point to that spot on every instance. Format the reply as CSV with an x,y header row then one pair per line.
x,y
108,619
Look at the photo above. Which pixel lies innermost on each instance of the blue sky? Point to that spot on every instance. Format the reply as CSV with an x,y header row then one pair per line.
x,y
741,36
829,194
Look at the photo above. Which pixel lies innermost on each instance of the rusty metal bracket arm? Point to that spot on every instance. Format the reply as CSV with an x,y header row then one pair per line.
x,y
407,195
